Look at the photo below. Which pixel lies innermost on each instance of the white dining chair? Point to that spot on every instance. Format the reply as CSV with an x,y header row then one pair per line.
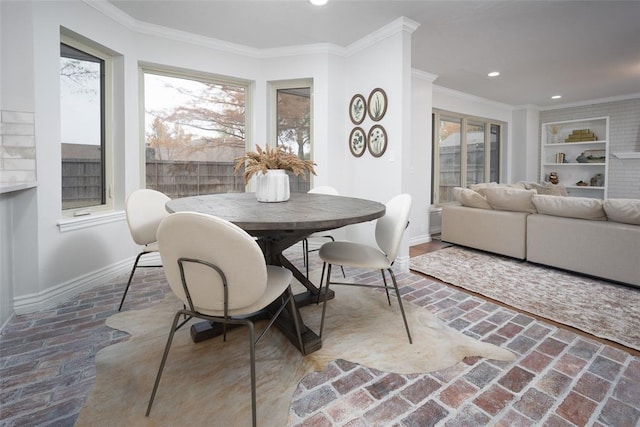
x,y
388,234
219,273
323,189
144,209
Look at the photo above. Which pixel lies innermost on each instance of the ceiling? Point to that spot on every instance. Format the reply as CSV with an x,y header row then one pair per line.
x,y
582,50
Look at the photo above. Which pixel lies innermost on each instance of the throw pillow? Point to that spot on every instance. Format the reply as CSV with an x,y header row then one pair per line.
x,y
510,199
626,211
470,198
570,207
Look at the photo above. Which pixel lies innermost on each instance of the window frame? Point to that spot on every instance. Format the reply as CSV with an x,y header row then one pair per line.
x,y
274,87
188,74
465,120
107,143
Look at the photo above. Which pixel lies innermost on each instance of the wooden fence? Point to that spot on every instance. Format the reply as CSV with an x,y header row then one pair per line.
x,y
81,180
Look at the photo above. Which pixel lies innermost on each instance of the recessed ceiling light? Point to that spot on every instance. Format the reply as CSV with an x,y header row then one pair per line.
x,y
494,74
318,2
556,97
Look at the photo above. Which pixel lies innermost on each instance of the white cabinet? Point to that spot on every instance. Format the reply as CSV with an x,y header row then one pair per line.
x,y
578,152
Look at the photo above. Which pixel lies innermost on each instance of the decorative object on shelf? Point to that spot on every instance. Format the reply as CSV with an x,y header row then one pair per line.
x,y
581,183
377,104
269,166
554,130
581,135
357,141
597,180
560,158
357,109
589,157
553,177
377,140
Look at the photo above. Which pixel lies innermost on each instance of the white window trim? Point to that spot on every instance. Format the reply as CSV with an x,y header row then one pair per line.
x,y
272,127
183,73
88,221
465,119
66,38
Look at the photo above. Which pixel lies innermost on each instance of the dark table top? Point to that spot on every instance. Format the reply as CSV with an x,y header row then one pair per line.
x,y
303,212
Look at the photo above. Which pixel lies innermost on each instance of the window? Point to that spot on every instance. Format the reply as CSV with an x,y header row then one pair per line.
x,y
293,124
85,74
460,153
195,127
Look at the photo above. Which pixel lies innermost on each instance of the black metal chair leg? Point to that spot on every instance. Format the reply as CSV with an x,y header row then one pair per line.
x,y
404,317
386,287
135,265
164,360
324,265
324,305
252,351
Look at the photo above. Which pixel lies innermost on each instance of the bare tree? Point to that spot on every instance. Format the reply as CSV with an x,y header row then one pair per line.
x,y
216,110
169,144
294,119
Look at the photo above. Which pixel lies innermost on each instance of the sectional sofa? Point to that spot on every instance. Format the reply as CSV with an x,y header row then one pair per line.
x,y
595,237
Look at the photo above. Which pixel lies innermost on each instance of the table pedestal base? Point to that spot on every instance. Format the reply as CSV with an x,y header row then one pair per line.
x,y
310,340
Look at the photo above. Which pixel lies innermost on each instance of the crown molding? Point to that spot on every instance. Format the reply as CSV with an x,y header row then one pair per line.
x,y
307,49
399,25
132,24
423,75
112,12
593,101
468,97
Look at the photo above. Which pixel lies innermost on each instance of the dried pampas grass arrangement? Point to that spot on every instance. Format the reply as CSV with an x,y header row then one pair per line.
x,y
272,158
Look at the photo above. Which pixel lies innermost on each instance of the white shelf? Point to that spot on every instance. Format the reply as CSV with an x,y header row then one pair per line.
x,y
631,155
574,164
583,187
574,171
558,144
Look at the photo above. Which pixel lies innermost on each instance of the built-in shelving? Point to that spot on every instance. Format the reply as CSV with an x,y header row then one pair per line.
x,y
559,153
630,155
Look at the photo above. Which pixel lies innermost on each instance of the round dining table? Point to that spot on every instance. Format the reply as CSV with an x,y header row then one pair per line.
x,y
277,226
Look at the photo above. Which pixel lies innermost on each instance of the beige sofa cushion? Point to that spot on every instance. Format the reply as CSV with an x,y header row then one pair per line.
x,y
510,199
548,188
470,198
626,211
481,186
570,207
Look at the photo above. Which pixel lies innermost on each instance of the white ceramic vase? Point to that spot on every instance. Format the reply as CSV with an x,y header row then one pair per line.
x,y
272,186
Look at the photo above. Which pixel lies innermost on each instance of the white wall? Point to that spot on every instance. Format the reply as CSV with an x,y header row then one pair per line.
x,y
421,156
524,149
46,265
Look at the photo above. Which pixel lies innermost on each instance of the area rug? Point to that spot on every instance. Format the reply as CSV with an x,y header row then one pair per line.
x,y
208,383
598,307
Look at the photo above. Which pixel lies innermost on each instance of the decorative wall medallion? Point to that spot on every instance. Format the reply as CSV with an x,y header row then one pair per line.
x,y
377,140
357,141
357,109
377,104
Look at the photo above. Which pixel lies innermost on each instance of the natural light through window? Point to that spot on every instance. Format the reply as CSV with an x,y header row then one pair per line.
x,y
194,129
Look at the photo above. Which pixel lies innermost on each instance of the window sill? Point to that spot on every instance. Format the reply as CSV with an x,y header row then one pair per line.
x,y
78,223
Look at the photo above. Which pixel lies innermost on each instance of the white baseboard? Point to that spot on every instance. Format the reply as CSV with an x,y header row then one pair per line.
x,y
418,240
52,296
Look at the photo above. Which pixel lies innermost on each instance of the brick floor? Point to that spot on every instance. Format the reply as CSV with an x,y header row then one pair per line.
x,y
560,377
